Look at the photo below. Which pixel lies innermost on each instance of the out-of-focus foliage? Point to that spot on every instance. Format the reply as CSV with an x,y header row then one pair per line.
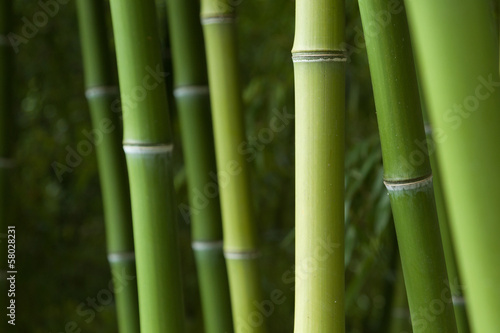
x,y
61,249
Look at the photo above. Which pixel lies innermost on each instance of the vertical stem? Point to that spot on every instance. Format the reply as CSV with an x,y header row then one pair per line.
x,y
148,148
106,136
240,243
193,104
460,81
407,171
448,245
319,67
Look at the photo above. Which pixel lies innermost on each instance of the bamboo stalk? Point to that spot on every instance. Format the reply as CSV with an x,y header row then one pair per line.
x,y
460,81
319,67
193,104
448,246
240,243
101,92
7,162
148,147
409,184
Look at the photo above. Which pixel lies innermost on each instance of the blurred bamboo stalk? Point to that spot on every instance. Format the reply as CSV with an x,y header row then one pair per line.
x,y
193,104
106,135
239,225
460,81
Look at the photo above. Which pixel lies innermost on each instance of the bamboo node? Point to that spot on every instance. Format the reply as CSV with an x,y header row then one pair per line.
x,y
206,245
143,149
100,91
220,19
410,184
241,255
458,300
190,91
121,257
319,56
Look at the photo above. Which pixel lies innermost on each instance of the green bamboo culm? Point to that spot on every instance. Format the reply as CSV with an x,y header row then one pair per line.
x,y
7,162
147,142
193,106
239,229
319,69
460,81
106,135
407,170
448,246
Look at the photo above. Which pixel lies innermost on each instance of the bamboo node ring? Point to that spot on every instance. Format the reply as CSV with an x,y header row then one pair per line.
x,y
100,91
143,149
190,91
241,255
319,56
410,184
206,245
220,19
121,256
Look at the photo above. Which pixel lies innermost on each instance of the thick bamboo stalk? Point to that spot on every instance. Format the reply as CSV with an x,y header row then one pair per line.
x,y
7,162
240,243
101,92
148,148
193,104
460,81
319,67
410,185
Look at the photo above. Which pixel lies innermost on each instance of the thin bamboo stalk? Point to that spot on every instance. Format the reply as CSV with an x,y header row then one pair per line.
x,y
448,247
460,81
410,185
101,92
319,67
7,162
148,148
240,243
193,104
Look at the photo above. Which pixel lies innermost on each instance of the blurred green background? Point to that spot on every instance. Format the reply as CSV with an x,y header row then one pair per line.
x,y
60,232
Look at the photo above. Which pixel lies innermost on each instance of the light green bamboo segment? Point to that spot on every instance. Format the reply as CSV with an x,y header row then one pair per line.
x,y
148,148
106,136
193,105
319,69
407,171
448,246
240,245
460,81
7,162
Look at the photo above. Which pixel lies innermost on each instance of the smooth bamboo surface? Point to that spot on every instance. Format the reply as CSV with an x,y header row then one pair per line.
x,y
319,69
148,148
460,81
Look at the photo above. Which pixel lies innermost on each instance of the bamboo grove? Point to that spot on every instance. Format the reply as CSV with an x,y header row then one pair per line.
x,y
386,233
